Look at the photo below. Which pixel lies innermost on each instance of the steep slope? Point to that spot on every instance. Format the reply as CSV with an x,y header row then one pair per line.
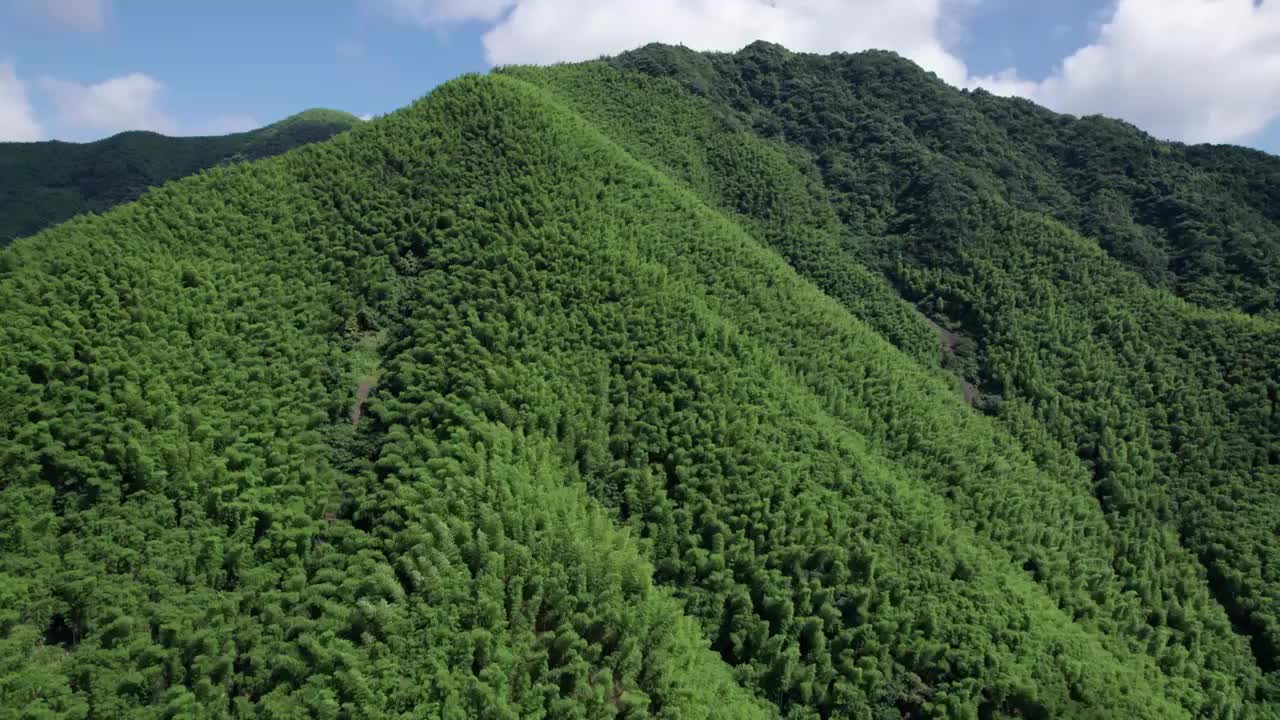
x,y
185,523
1201,221
647,438
1171,409
49,182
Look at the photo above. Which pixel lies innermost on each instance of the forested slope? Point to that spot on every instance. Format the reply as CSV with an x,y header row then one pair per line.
x,y
892,139
650,431
1170,408
48,182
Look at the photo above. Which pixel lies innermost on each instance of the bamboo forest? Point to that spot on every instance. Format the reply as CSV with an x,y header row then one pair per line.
x,y
670,384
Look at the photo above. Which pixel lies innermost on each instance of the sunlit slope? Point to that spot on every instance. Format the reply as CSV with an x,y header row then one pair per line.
x,y
621,459
770,189
1123,569
1143,551
185,529
565,311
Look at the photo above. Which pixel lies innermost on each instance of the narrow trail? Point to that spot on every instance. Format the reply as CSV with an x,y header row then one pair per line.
x,y
363,388
947,339
949,342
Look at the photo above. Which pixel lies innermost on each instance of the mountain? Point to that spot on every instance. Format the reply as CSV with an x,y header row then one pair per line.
x,y
670,384
49,182
1200,221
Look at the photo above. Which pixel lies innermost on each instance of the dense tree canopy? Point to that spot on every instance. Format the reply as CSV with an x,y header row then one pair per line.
x,y
892,140
627,389
1170,408
48,182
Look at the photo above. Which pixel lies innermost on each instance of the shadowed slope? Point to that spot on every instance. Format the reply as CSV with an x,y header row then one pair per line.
x,y
49,182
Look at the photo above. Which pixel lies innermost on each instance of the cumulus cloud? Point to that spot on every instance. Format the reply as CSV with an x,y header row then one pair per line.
x,y
128,102
1194,70
17,119
83,15
545,31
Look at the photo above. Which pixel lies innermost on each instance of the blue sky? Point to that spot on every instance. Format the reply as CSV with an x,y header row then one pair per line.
x,y
224,62
82,69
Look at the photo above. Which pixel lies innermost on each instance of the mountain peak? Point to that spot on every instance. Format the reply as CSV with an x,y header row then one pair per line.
x,y
320,116
673,384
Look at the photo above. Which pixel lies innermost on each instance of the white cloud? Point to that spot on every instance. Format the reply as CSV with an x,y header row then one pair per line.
x,y
547,30
128,102
17,119
366,117
1194,70
83,15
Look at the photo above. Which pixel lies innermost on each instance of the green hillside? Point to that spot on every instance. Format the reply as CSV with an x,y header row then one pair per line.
x,y
618,390
1172,409
49,182
899,146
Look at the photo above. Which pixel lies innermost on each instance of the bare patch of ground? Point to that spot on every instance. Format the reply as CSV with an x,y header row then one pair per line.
x,y
363,388
947,339
949,342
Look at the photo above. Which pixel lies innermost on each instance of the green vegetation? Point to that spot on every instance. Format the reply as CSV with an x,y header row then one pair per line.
x,y
1171,408
897,145
692,400
49,182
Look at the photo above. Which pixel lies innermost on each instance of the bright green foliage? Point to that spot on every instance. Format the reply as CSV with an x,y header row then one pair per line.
x,y
648,438
188,513
1171,409
773,194
48,182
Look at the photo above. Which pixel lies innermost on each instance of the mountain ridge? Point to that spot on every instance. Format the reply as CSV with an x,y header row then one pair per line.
x,y
53,180
1177,216
607,313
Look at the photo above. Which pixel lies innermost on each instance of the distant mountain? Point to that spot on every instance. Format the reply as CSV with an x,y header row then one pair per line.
x,y
1200,220
47,182
666,385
